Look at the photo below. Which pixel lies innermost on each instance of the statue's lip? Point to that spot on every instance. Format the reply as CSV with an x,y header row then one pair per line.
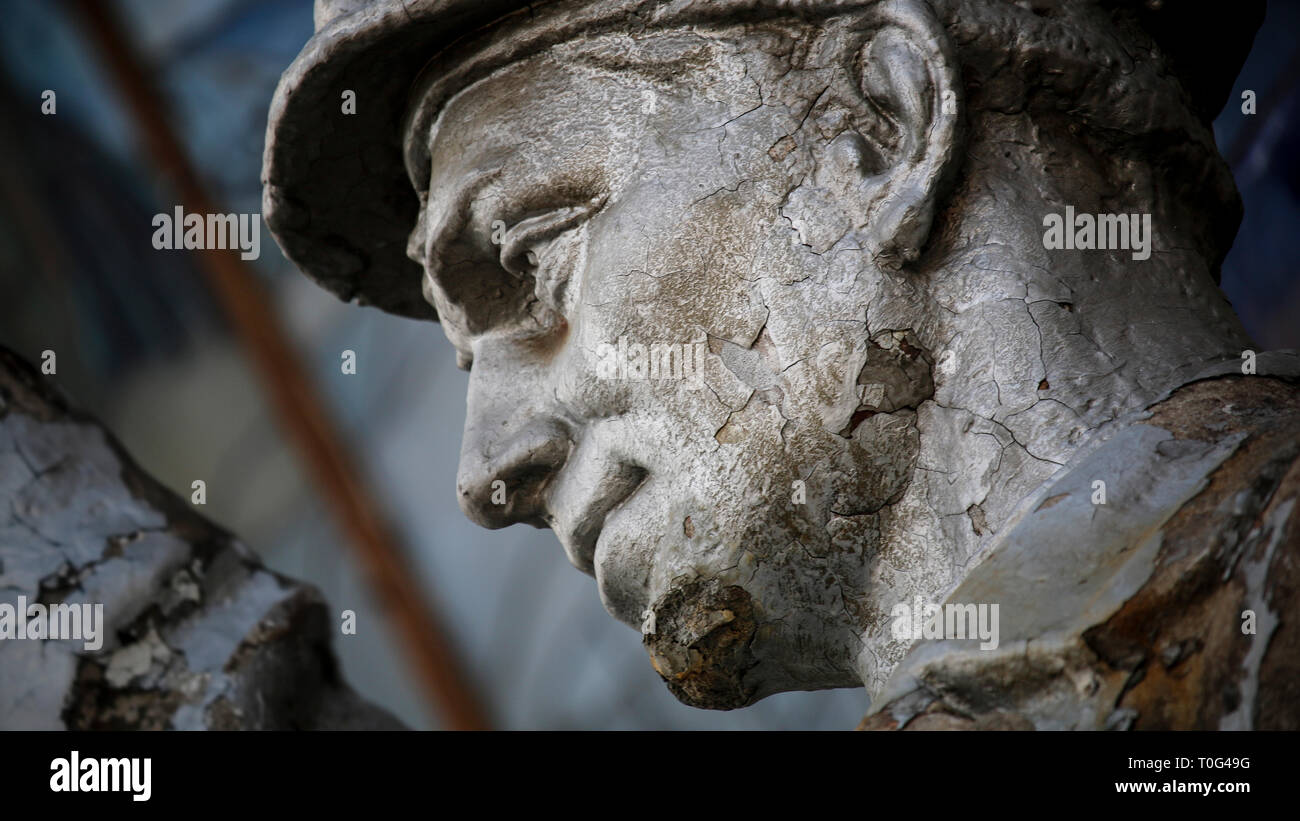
x,y
621,596
579,533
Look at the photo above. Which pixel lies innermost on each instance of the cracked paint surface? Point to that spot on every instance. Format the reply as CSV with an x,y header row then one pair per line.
x,y
844,206
747,181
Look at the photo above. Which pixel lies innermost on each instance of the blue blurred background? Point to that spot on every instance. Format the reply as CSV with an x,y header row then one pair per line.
x,y
143,346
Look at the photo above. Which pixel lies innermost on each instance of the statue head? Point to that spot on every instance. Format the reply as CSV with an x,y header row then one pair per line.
x,y
759,300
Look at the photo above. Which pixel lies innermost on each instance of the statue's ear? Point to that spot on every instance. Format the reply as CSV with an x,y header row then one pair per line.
x,y
904,148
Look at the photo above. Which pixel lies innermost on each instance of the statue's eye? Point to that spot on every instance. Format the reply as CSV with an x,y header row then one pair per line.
x,y
526,248
524,242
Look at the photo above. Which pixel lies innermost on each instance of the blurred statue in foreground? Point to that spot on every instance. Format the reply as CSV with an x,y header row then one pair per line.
x,y
123,609
844,344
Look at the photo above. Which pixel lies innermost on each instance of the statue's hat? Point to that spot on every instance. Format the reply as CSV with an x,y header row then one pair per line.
x,y
336,193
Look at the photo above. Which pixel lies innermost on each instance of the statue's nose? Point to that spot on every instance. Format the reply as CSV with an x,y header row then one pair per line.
x,y
504,473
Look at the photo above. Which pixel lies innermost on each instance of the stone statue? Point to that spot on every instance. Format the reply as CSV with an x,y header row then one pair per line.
x,y
123,609
844,343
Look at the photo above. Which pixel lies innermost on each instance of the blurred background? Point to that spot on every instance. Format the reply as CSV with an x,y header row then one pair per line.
x,y
143,343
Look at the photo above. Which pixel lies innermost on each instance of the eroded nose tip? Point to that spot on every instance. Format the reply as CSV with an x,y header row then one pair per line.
x,y
501,483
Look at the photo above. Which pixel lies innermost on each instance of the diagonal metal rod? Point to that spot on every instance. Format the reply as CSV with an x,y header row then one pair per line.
x,y
300,410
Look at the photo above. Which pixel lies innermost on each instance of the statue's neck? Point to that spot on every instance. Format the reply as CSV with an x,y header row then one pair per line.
x,y
1036,349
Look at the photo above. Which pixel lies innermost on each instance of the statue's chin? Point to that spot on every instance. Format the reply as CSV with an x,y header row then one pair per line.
x,y
699,642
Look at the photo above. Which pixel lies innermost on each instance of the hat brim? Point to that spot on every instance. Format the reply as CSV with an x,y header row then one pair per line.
x,y
335,191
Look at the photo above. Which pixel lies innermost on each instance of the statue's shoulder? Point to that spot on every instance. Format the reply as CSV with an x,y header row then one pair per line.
x,y
1150,585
